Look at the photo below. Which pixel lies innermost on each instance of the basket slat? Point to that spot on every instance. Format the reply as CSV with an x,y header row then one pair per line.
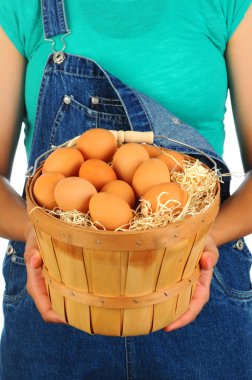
x,y
58,303
73,274
105,280
143,271
183,301
137,321
175,256
164,313
50,261
196,251
48,254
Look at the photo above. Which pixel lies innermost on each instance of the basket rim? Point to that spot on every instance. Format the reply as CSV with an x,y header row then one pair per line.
x,y
155,238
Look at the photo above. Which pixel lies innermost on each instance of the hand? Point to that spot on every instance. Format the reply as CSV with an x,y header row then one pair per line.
x,y
36,286
201,295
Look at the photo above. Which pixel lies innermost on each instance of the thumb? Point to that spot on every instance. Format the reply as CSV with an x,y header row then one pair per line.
x,y
210,254
33,258
209,259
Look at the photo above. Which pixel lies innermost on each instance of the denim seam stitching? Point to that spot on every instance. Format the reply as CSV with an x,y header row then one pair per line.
x,y
236,294
44,82
58,119
18,260
8,299
44,16
100,115
75,74
146,113
64,15
61,15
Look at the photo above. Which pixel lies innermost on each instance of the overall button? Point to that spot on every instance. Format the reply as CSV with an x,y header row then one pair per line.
x,y
10,250
95,100
67,99
175,120
239,245
59,57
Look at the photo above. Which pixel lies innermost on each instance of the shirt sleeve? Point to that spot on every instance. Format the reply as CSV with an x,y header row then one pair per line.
x,y
234,11
10,22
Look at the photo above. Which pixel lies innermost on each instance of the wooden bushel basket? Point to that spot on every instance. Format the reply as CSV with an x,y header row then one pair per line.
x,y
120,283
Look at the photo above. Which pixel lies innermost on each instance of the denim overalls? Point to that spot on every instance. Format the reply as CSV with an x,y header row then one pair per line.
x,y
77,94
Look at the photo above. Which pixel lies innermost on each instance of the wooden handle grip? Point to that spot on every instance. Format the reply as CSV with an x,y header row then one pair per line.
x,y
133,136
125,137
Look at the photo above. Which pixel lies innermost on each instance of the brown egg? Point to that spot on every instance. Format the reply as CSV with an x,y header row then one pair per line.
x,y
64,160
126,160
148,174
97,172
174,160
74,193
97,143
172,191
121,189
44,189
110,211
152,150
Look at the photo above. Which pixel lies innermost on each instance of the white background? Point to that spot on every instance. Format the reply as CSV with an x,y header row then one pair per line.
x,y
231,155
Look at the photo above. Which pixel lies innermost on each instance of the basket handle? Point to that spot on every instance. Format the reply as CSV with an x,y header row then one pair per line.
x,y
121,137
133,136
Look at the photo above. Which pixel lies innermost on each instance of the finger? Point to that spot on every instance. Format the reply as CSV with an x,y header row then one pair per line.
x,y
37,289
210,254
33,258
208,260
200,298
36,260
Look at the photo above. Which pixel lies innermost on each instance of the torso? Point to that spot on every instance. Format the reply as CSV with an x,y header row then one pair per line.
x,y
172,52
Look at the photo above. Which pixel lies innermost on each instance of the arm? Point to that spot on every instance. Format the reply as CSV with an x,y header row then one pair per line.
x,y
14,221
235,216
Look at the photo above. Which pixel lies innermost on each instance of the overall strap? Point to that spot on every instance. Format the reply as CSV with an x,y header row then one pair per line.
x,y
54,18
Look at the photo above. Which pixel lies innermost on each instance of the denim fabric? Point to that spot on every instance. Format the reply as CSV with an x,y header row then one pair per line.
x,y
54,20
216,346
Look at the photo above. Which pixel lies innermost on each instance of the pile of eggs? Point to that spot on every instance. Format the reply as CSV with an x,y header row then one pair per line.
x,y
108,180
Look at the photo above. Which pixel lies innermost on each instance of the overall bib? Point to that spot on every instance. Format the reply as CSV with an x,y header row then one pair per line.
x,y
77,94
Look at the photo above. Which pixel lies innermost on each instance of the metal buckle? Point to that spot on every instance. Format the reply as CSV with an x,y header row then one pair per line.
x,y
59,56
239,245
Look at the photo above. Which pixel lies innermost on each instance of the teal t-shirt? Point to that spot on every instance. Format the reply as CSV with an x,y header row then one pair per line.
x,y
170,50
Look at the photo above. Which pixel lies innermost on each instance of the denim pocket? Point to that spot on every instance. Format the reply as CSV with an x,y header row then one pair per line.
x,y
14,272
74,116
232,273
